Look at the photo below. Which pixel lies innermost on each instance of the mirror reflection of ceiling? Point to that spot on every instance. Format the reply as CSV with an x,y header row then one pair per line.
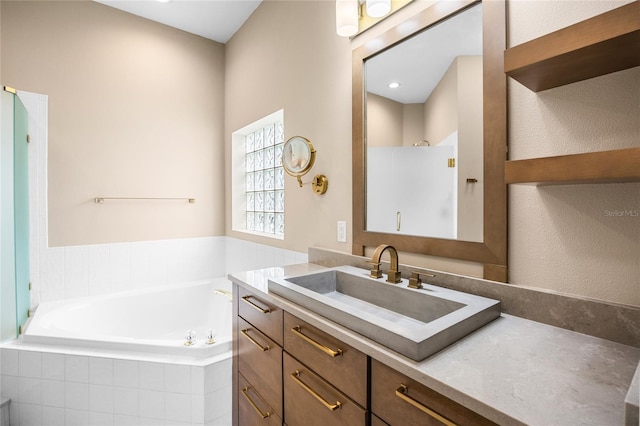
x,y
419,63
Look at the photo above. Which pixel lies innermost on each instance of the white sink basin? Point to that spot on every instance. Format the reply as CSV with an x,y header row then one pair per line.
x,y
414,323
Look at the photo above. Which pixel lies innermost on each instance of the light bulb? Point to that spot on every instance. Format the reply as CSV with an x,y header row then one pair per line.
x,y
378,8
346,17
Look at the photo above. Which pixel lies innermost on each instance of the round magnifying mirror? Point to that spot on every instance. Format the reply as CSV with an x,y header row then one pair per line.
x,y
298,156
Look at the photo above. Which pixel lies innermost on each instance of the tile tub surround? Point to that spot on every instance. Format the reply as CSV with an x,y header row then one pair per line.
x,y
60,273
632,402
513,371
5,418
49,388
610,321
53,386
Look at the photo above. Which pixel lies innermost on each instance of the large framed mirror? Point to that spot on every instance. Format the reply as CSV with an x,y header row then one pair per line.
x,y
429,154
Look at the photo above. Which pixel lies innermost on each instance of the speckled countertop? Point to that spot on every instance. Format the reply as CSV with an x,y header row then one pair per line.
x,y
512,371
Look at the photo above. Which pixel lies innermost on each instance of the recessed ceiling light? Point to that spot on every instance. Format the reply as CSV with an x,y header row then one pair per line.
x,y
394,85
163,1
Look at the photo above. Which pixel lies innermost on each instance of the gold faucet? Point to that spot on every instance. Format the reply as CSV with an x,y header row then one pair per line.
x,y
225,293
393,276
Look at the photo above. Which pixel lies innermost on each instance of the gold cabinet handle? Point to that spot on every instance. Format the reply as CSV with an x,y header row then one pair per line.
x,y
332,407
297,330
245,392
403,393
253,305
245,332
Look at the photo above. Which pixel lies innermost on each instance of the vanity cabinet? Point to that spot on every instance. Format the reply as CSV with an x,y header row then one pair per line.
x,y
259,360
597,46
253,410
399,400
263,315
290,372
310,400
338,363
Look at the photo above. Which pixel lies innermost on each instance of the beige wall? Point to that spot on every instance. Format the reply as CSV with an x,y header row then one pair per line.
x,y
412,124
99,66
385,121
560,237
569,238
288,56
136,110
441,107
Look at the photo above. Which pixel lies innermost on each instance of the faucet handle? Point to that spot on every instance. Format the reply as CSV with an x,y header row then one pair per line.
x,y
416,281
394,277
375,270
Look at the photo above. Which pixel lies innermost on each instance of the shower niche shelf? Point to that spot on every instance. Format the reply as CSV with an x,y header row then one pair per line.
x,y
597,46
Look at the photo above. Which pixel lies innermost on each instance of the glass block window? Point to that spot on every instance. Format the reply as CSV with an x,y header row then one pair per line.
x,y
265,179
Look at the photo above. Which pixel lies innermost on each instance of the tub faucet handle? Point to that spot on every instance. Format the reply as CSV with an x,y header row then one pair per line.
x,y
190,337
211,337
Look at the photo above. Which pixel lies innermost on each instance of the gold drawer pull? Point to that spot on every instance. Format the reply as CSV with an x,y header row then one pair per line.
x,y
263,310
254,341
402,393
297,330
296,377
245,392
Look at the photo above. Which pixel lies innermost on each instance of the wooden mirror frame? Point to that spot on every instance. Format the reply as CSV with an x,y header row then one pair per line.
x,y
492,251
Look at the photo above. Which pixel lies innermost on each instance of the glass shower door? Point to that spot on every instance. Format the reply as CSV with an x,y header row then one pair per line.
x,y
21,210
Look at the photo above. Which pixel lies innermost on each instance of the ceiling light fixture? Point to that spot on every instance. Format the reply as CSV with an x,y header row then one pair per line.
x,y
378,8
393,85
349,12
346,17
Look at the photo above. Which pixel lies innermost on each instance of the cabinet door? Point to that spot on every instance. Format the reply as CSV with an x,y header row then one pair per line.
x,y
339,364
260,361
398,400
261,314
309,400
253,410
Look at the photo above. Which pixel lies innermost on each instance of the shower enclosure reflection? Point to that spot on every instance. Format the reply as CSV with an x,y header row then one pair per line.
x,y
398,205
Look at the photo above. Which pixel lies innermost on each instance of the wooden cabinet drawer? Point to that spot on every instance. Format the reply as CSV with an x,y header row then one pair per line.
x,y
253,410
398,400
310,401
376,421
263,315
340,364
260,361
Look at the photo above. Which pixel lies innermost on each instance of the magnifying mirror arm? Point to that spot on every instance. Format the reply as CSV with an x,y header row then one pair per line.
x,y
319,184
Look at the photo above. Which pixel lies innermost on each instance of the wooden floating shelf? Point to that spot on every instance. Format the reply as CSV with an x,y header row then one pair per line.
x,y
597,46
621,165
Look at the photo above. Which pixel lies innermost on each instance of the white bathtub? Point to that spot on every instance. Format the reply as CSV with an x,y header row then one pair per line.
x,y
142,321
121,359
